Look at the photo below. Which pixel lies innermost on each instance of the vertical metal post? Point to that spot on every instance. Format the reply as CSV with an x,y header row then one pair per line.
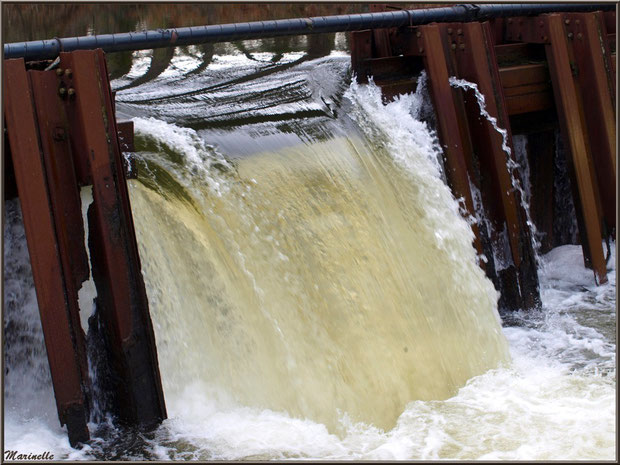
x,y
48,197
476,62
451,120
122,304
574,131
593,73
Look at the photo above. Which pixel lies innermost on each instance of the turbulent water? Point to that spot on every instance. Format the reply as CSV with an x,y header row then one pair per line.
x,y
313,287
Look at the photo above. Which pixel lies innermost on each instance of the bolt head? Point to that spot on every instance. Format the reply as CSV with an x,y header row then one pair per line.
x,y
580,36
570,35
71,92
459,31
567,21
453,46
449,30
68,72
59,71
62,91
462,46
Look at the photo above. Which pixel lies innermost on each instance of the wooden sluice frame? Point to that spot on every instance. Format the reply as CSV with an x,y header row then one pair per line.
x,y
62,135
573,79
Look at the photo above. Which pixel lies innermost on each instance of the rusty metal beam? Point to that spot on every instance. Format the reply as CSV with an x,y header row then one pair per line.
x,y
451,120
47,244
574,131
594,76
122,304
476,62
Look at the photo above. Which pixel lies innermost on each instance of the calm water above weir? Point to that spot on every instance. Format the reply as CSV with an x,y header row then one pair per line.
x,y
313,288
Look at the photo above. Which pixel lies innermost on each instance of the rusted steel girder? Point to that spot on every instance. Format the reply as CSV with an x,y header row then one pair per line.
x,y
451,120
63,135
475,59
122,304
48,194
593,71
569,102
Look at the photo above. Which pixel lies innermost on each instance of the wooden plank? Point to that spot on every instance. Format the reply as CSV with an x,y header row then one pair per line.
x,y
520,75
572,121
49,274
526,102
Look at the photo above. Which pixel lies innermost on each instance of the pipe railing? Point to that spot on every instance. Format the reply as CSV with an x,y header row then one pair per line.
x,y
49,49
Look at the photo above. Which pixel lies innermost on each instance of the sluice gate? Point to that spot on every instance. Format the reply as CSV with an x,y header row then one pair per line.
x,y
541,69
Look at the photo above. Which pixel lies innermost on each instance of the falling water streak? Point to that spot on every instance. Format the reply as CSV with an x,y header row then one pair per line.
x,y
510,163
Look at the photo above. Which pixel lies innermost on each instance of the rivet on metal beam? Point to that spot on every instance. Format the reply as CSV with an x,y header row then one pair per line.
x,y
462,46
453,46
71,92
421,49
449,31
418,34
570,35
580,36
459,32
68,72
567,21
59,71
577,21
62,91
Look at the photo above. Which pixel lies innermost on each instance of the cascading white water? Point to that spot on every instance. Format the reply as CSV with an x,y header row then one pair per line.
x,y
319,297
325,280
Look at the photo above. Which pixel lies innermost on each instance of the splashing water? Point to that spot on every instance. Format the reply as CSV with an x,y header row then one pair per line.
x,y
513,166
316,296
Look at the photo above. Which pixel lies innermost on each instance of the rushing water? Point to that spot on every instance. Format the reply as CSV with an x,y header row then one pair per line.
x,y
313,287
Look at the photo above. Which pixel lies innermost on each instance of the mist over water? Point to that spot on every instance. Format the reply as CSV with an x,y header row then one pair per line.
x,y
314,291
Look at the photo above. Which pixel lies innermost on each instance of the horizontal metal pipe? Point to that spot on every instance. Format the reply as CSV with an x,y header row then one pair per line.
x,y
48,49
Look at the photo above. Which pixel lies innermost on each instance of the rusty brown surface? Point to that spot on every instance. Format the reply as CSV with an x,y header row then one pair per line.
x,y
574,130
361,49
52,280
451,120
476,62
122,300
590,53
526,88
